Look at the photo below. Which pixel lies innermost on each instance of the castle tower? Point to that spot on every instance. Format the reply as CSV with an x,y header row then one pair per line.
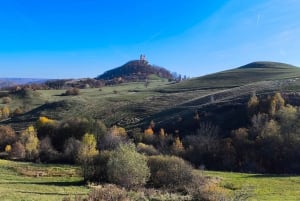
x,y
143,58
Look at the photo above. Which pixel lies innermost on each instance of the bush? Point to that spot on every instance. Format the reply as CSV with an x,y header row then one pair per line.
x,y
71,149
127,167
7,136
18,150
72,92
108,193
100,163
6,100
169,171
147,149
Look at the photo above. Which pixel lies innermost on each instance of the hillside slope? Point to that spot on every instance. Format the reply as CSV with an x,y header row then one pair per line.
x,y
132,104
250,73
135,70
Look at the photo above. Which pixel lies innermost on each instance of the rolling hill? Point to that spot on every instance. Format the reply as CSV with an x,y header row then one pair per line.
x,y
135,70
131,104
250,73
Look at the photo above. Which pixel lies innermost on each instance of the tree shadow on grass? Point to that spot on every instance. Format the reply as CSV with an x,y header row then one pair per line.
x,y
52,183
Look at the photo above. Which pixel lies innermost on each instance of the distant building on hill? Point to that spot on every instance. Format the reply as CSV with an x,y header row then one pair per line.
x,y
143,58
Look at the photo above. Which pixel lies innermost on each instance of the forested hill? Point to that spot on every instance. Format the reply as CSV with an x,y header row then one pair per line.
x,y
134,71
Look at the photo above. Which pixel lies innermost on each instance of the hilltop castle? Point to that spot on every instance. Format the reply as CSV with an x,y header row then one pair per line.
x,y
143,59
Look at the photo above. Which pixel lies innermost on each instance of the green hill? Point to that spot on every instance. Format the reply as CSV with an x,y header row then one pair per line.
x,y
132,104
134,71
250,73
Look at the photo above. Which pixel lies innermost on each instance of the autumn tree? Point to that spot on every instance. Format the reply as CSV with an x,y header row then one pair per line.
x,y
42,121
5,112
177,146
276,103
7,136
253,105
18,150
31,142
86,154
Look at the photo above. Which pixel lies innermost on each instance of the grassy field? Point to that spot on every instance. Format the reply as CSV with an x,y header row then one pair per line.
x,y
261,187
29,182
21,182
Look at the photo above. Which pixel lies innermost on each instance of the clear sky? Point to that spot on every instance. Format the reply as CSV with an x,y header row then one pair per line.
x,y
84,38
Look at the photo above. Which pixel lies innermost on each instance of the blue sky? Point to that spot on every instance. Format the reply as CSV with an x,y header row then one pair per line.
x,y
84,38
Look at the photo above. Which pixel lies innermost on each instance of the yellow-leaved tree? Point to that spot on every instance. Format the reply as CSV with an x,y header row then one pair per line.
x,y
5,112
86,155
44,120
8,148
177,146
31,142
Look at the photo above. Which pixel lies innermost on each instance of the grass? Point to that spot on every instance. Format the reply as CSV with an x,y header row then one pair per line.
x,y
18,182
260,186
161,101
22,181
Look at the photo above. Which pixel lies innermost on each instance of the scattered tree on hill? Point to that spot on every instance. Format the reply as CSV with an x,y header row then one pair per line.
x,y
72,92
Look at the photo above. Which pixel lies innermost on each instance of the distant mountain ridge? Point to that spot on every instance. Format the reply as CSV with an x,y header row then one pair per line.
x,y
135,70
9,82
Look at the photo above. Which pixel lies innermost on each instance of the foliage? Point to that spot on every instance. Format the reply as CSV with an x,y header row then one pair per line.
x,y
72,92
18,150
42,121
169,171
31,142
8,148
127,167
71,149
149,131
86,154
6,100
147,149
5,112
7,136
47,153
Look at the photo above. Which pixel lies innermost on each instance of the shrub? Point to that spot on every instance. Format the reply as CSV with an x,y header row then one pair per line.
x,y
46,151
147,149
7,136
6,100
100,164
169,171
5,112
18,111
72,92
18,150
108,193
127,167
71,149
